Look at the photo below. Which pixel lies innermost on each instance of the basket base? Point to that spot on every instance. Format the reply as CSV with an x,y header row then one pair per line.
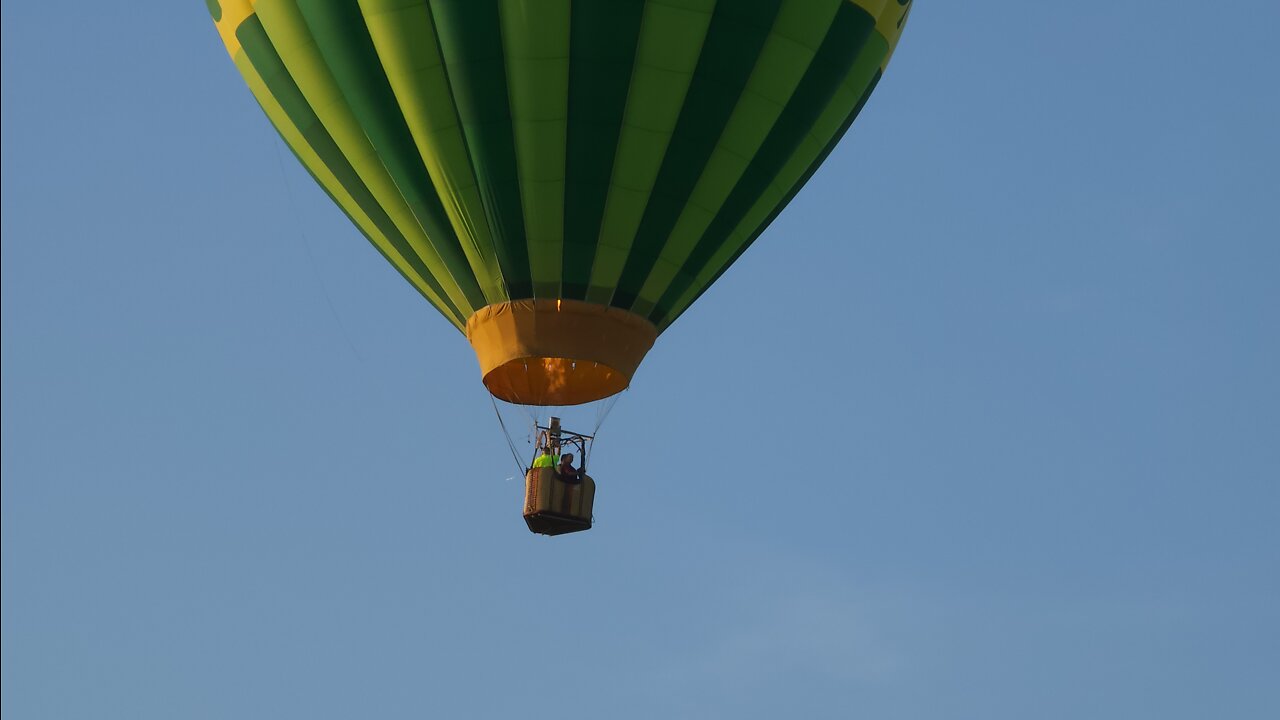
x,y
549,523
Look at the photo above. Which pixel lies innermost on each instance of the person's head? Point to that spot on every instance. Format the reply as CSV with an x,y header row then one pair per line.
x,y
567,458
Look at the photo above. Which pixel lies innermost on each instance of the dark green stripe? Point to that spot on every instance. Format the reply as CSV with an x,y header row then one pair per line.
x,y
470,36
262,55
734,39
343,40
663,322
849,31
602,47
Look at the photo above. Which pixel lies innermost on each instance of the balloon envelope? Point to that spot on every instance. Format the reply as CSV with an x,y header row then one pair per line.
x,y
561,179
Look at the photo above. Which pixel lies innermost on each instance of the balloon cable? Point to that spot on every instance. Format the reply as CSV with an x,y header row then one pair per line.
x,y
306,245
510,443
603,409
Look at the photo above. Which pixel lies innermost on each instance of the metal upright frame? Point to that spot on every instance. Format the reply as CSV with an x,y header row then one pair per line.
x,y
555,438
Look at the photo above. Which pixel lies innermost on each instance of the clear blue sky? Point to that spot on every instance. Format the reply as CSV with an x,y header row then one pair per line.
x,y
1035,472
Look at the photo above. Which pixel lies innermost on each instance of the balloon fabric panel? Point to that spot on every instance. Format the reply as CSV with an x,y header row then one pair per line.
x,y
616,153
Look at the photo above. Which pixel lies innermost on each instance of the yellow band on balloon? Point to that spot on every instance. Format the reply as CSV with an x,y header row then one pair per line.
x,y
557,352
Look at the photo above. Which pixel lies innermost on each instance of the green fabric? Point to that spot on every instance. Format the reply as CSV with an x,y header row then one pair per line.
x,y
262,55
546,461
623,152
334,189
537,63
471,44
737,33
787,57
845,38
344,43
788,183
602,50
415,70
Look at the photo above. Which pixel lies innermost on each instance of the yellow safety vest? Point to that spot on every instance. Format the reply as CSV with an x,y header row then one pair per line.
x,y
546,461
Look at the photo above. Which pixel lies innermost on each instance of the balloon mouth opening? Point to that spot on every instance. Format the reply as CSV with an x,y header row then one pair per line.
x,y
553,381
557,351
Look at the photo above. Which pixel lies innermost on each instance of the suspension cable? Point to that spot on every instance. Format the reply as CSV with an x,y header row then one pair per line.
x,y
306,245
603,409
510,443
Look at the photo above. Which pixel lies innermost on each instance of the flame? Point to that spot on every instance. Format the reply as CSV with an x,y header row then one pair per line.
x,y
558,301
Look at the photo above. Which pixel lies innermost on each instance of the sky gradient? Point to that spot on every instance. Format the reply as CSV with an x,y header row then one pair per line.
x,y
1018,455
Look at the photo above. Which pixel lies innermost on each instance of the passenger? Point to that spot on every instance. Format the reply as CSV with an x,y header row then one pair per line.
x,y
566,472
545,459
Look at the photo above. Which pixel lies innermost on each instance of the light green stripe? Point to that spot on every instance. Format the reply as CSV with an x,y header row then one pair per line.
x,y
292,39
671,40
536,40
406,44
318,170
797,33
343,40
827,125
470,38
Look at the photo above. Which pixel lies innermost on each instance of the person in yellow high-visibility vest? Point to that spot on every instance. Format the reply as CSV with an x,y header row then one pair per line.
x,y
545,459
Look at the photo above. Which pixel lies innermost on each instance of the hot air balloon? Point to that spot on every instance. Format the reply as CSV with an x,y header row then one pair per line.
x,y
561,179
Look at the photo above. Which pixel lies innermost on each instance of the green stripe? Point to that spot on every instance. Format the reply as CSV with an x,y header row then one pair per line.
x,y
403,36
470,37
792,45
536,40
340,34
827,132
671,40
290,35
848,34
603,40
733,42
703,283
294,139
262,55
